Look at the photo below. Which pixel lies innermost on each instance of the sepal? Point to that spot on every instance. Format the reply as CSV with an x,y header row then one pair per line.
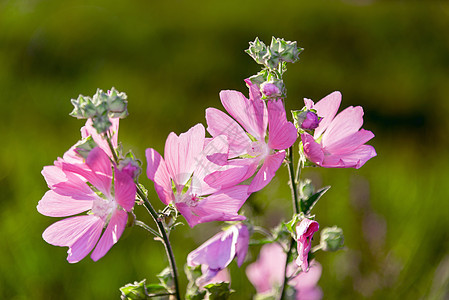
x,y
141,291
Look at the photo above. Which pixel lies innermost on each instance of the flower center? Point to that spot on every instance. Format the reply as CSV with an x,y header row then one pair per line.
x,y
103,207
258,148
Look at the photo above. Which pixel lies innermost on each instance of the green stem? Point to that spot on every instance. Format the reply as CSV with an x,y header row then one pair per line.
x,y
160,225
147,228
293,185
293,180
112,148
166,241
289,254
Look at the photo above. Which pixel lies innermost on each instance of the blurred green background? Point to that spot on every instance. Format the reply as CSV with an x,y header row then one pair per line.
x,y
172,58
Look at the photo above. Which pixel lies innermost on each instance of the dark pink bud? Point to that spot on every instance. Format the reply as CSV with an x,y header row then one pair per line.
x,y
311,121
270,90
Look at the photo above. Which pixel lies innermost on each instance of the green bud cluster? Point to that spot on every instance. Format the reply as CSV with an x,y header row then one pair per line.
x,y
278,53
274,58
100,108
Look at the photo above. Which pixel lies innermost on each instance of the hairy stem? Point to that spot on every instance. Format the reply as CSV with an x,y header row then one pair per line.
x,y
166,241
160,225
147,228
293,180
293,185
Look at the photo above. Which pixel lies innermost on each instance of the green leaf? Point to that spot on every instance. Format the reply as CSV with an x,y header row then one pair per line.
x,y
141,291
308,202
196,295
218,291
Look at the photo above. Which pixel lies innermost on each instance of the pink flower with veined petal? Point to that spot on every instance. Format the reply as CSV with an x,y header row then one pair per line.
x,y
70,194
189,158
341,142
304,234
267,274
254,115
218,252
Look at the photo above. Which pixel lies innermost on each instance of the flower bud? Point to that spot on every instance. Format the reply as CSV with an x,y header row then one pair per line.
x,y
130,167
270,90
306,119
117,104
257,50
101,122
311,121
332,239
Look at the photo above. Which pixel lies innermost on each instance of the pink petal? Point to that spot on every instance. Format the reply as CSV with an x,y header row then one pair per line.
x,y
307,280
221,276
181,153
217,252
85,243
66,183
227,176
254,91
211,159
308,103
344,124
251,114
88,130
312,149
158,173
355,159
55,205
242,243
67,231
220,206
98,173
125,190
327,109
111,235
220,123
281,133
268,271
314,293
350,142
71,156
267,171
235,172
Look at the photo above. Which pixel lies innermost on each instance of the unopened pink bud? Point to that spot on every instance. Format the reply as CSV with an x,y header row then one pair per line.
x,y
270,90
311,121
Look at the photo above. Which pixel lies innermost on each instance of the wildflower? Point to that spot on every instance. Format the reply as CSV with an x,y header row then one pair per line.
x,y
216,254
267,274
189,158
80,187
248,146
304,234
338,141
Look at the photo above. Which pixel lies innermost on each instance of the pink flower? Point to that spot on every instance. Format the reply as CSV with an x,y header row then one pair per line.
x,y
268,271
189,158
304,234
306,283
341,142
267,274
70,194
218,252
254,115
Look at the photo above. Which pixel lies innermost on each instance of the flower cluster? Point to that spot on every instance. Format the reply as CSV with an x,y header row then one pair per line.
x,y
207,175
